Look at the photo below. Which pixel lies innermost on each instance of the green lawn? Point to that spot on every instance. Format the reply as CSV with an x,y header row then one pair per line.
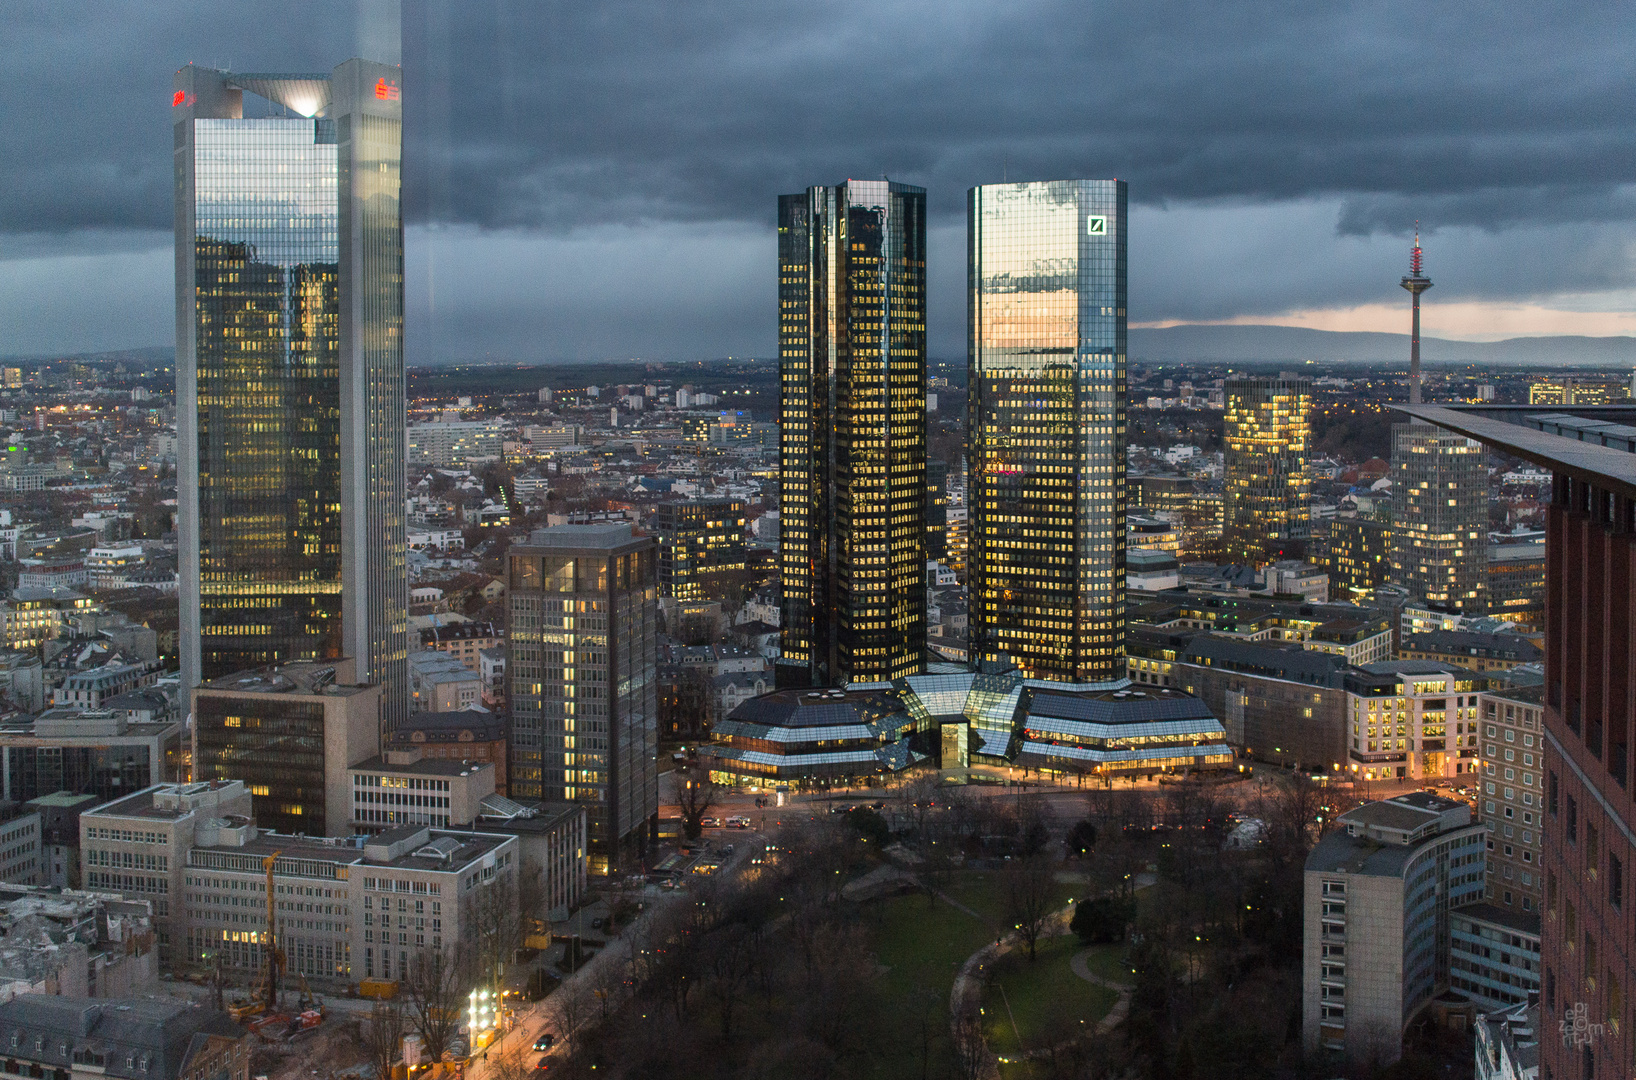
x,y
922,947
984,892
1047,1000
1109,962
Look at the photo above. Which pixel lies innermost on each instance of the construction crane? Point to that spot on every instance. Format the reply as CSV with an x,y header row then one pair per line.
x,y
275,955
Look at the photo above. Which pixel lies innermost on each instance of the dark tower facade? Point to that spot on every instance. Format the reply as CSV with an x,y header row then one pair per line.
x,y
290,381
1416,282
1046,389
852,418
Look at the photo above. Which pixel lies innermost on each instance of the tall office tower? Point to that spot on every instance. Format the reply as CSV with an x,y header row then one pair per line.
x,y
852,413
1268,434
583,653
1416,282
1440,518
1583,803
289,374
1046,443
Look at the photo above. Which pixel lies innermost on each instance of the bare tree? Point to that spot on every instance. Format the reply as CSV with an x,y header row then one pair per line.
x,y
382,1036
1029,885
496,923
695,795
433,989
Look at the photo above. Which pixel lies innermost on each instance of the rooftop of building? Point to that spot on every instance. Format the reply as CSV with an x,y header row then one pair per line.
x,y
1379,838
818,708
463,631
1268,659
423,767
441,727
1501,646
302,677
137,1038
1522,695
1521,922
600,537
66,800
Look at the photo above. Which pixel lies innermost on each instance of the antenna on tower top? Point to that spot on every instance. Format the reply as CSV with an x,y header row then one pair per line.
x,y
1416,258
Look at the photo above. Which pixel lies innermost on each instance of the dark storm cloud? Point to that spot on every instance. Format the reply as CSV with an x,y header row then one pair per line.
x,y
560,113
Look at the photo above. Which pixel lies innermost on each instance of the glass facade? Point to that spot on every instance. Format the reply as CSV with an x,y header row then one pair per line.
x,y
276,747
268,406
1267,434
290,384
582,665
852,414
1440,518
702,553
1046,379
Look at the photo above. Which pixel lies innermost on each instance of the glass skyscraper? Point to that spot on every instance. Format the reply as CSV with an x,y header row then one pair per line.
x,y
1267,432
852,415
290,382
1440,517
1046,383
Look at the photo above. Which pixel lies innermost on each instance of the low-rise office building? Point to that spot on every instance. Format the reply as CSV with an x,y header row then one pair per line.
x,y
22,847
1120,731
1277,702
405,787
343,912
99,752
803,737
1380,889
288,732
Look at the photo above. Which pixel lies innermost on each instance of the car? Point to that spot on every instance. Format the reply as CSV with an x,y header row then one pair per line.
x,y
542,1065
544,1041
710,823
738,821
877,806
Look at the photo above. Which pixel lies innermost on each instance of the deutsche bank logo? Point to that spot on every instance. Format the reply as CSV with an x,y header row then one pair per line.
x,y
1096,225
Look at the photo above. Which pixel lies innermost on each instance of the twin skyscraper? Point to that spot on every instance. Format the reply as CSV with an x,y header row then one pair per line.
x,y
1045,430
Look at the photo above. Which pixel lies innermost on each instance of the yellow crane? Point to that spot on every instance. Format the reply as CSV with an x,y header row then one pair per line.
x,y
275,955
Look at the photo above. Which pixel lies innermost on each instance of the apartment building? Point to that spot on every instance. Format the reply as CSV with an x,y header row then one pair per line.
x,y
1512,796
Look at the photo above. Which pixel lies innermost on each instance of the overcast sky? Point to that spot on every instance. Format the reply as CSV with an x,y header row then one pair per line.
x,y
593,179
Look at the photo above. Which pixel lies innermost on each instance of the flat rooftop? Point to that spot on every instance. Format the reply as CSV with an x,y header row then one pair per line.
x,y
423,767
298,678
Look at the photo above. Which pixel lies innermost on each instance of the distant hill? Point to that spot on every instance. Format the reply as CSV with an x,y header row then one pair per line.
x,y
1200,343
